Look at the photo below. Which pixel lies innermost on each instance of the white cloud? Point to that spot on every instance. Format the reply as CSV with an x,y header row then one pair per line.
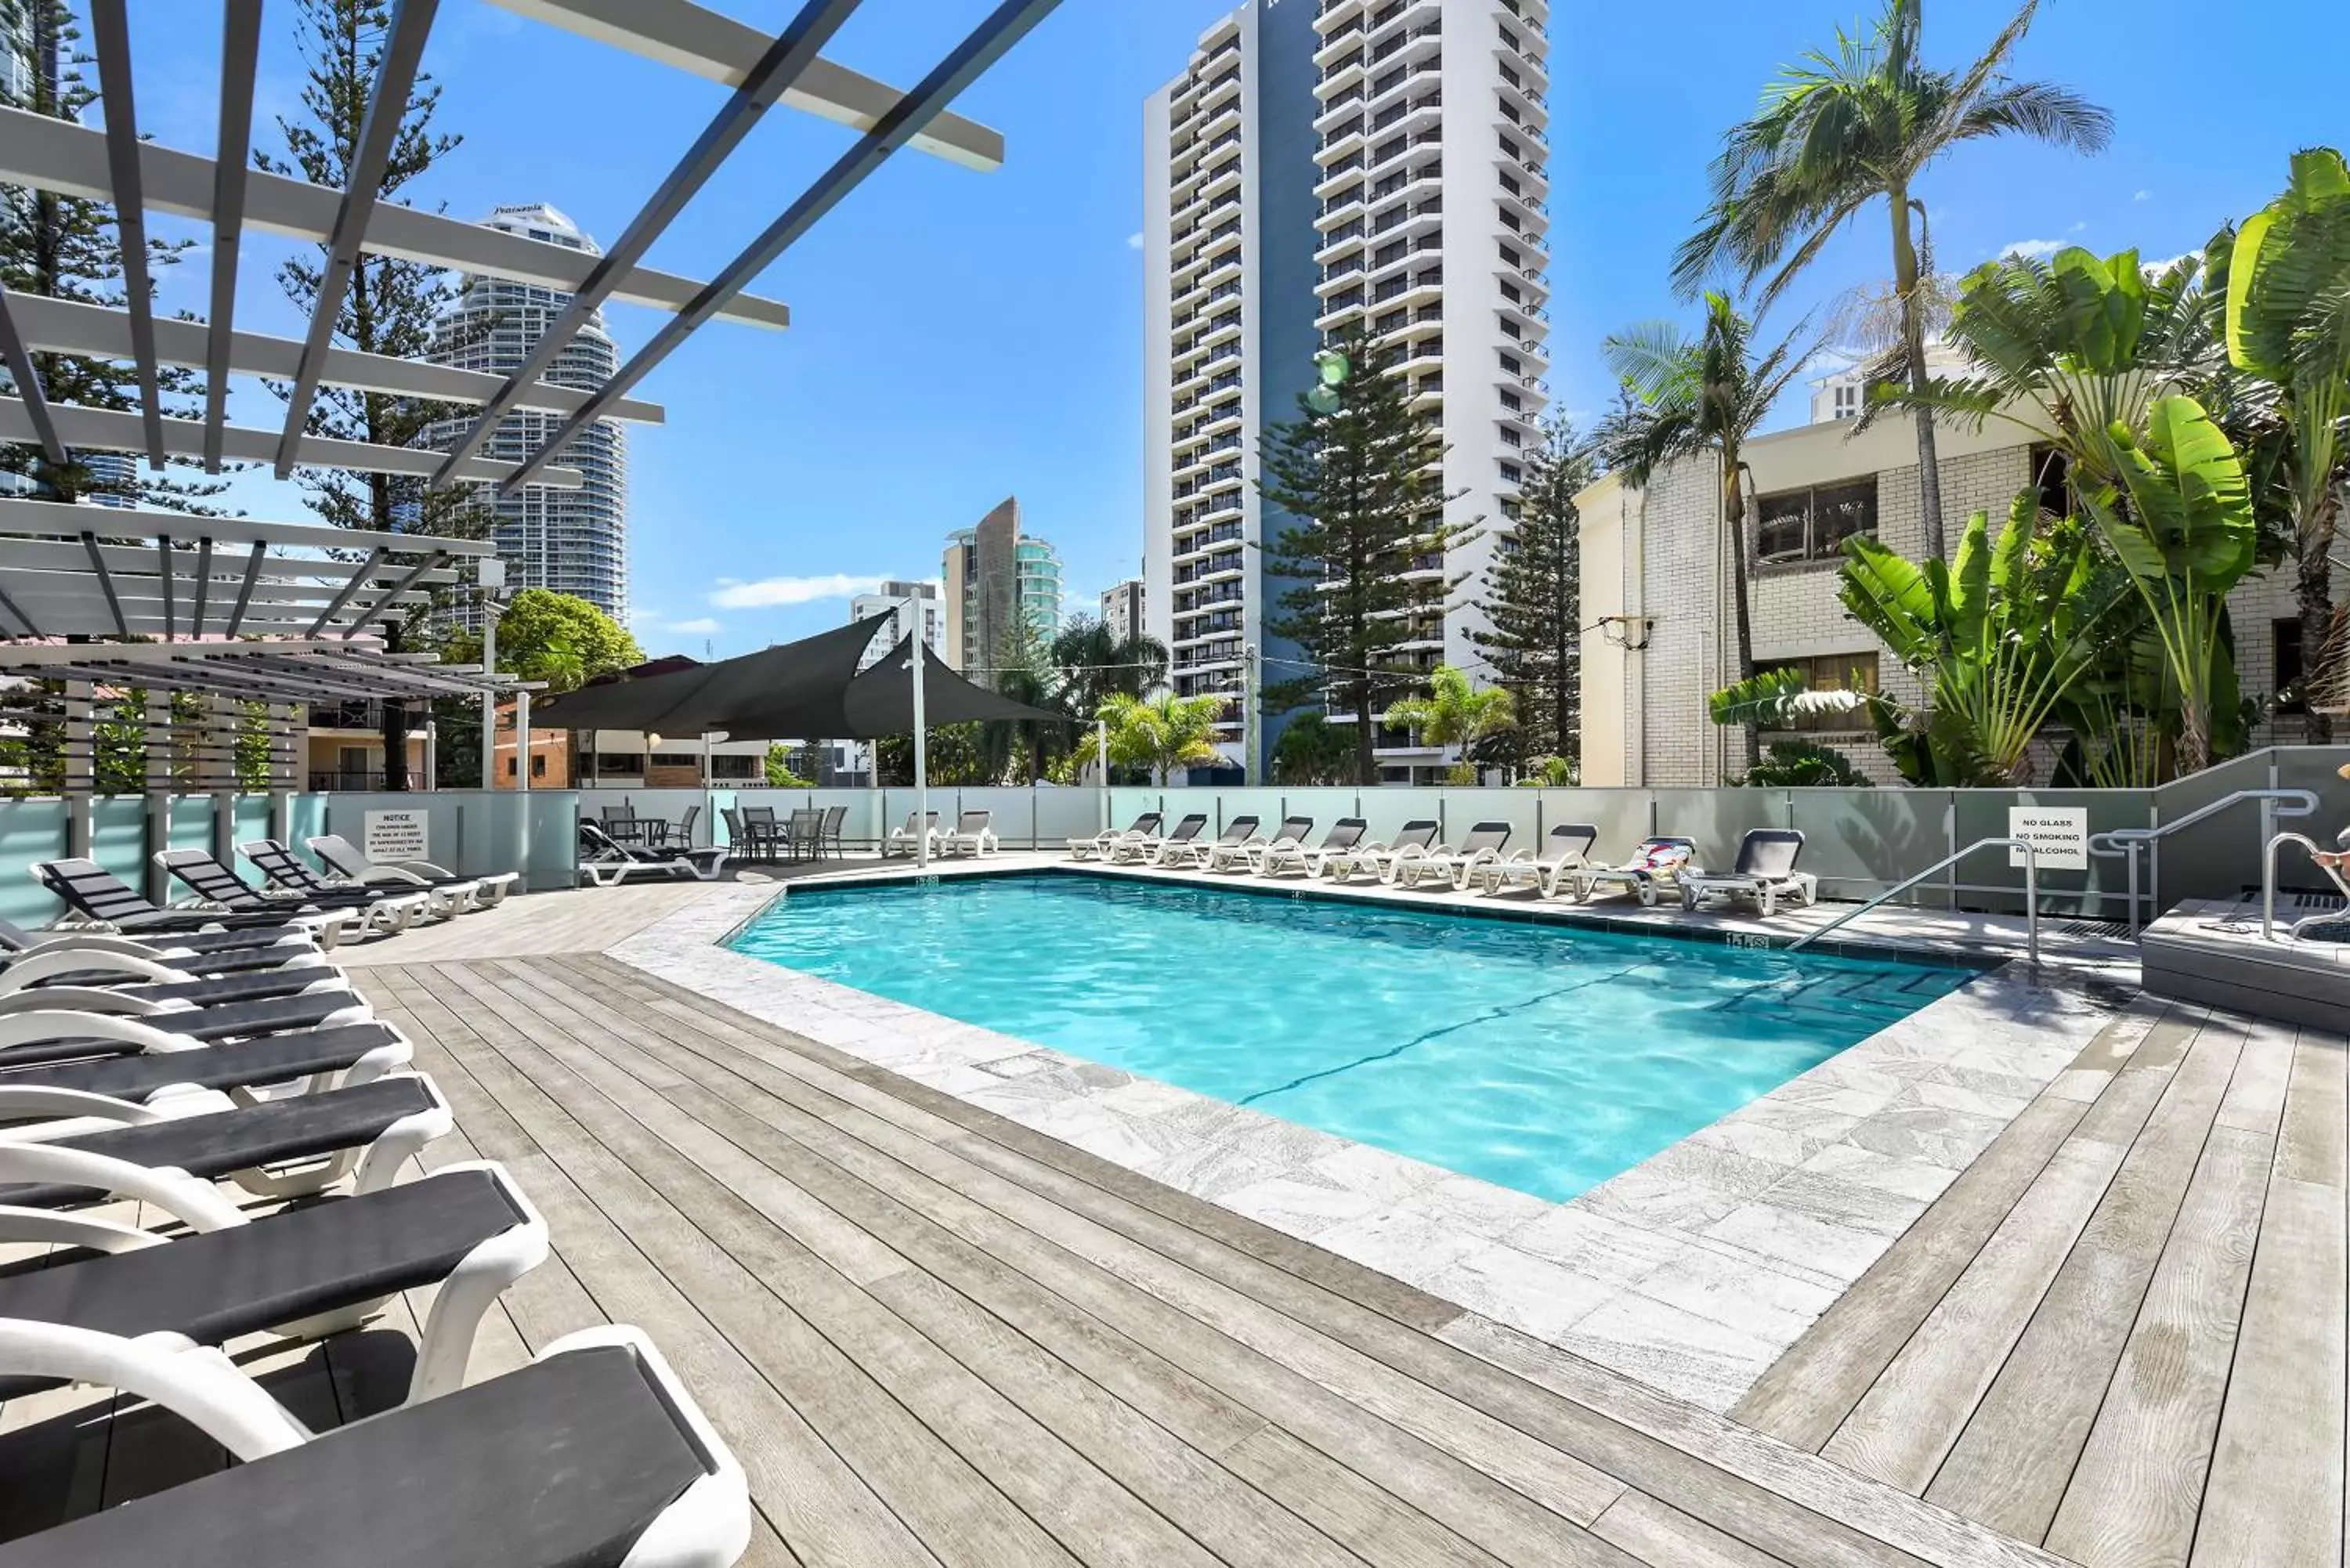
x,y
2143,196
1134,241
700,625
2077,227
769,593
2039,250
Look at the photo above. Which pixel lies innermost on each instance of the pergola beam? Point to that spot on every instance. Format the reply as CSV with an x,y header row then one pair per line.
x,y
240,49
402,53
57,155
1004,26
112,31
28,519
16,352
117,429
693,38
783,63
68,326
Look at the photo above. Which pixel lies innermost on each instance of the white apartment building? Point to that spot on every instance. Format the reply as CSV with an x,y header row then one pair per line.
x,y
571,541
1121,608
891,600
1656,593
1318,165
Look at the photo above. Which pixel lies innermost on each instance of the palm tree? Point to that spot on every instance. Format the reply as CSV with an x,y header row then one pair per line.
x,y
1094,663
1837,131
1690,396
1455,713
1162,733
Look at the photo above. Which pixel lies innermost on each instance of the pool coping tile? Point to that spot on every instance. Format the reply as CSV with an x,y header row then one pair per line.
x,y
1692,1271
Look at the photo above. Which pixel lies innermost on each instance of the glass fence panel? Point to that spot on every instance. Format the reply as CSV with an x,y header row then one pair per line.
x,y
118,837
1621,815
1325,805
251,819
1127,803
1994,878
1458,811
1859,842
1224,804
191,824
1065,814
32,830
1718,818
1012,813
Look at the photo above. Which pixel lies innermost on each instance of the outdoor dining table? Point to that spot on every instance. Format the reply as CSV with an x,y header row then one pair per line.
x,y
646,830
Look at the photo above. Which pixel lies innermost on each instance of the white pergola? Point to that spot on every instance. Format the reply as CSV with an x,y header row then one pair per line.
x,y
110,597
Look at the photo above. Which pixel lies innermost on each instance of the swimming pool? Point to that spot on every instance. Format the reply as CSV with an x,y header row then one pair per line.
x,y
1537,1056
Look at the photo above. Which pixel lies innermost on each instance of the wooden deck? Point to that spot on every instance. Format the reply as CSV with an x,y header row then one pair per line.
x,y
937,1338
2121,1333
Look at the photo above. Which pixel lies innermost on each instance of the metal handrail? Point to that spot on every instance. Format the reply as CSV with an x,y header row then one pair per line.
x,y
2268,883
2030,895
2132,841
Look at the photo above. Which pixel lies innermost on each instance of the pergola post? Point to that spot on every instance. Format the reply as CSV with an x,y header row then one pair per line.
x,y
160,755
81,768
287,730
218,768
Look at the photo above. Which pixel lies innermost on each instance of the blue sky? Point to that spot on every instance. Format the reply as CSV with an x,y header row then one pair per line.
x,y
960,336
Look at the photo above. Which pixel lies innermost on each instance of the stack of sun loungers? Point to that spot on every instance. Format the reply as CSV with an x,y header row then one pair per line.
x,y
207,1066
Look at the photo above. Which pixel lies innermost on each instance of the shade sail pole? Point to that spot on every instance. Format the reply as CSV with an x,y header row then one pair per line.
x,y
921,748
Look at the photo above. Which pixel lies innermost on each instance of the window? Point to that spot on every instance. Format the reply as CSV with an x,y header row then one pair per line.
x,y
538,765
1510,366
1831,673
510,767
1511,473
2289,666
1812,525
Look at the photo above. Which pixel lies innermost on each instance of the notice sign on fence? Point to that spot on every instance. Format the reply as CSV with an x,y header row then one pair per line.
x,y
2059,836
396,836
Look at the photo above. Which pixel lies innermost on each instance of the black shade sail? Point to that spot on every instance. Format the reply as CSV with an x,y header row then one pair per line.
x,y
810,690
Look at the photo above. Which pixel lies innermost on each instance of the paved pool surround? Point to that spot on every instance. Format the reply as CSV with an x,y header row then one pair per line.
x,y
1692,1271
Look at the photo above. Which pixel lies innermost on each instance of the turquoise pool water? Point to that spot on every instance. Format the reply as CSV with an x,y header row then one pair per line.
x,y
1542,1058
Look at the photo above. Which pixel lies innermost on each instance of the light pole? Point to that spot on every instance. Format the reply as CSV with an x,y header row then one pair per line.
x,y
490,576
921,751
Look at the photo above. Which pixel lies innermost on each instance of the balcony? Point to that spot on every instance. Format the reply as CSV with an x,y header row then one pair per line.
x,y
350,782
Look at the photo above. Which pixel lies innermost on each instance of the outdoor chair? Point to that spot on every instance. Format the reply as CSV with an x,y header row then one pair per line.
x,y
345,861
1454,867
299,1271
906,839
170,1066
1764,874
220,887
607,864
1379,859
592,1453
828,835
682,831
1146,829
1566,849
1175,855
973,834
282,1148
800,835
1187,833
290,873
91,957
1656,866
766,838
1236,857
100,897
63,1023
1343,834
197,953
25,981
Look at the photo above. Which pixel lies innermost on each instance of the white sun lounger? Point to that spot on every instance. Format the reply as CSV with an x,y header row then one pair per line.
x,y
607,863
1765,873
1379,859
349,863
1482,846
905,839
1195,851
1145,831
594,1452
973,834
1566,848
1248,857
1343,834
1154,852
1655,867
